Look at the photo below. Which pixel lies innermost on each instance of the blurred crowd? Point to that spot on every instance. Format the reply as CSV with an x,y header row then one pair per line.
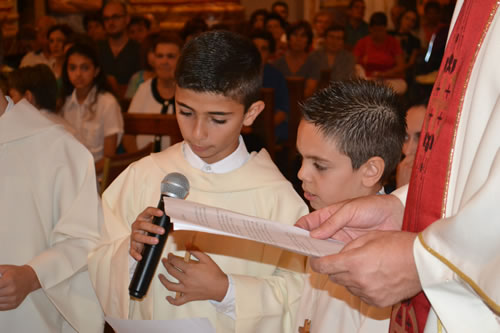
x,y
86,75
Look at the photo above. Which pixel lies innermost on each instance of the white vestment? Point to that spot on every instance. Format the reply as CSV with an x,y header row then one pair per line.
x,y
330,307
50,216
257,189
458,257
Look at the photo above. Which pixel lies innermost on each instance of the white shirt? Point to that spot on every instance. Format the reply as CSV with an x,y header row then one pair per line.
x,y
94,126
144,101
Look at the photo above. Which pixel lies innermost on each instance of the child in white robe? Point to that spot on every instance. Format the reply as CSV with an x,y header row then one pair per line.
x,y
239,285
350,140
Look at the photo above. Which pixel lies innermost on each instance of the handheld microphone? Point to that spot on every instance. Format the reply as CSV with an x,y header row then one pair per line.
x,y
174,185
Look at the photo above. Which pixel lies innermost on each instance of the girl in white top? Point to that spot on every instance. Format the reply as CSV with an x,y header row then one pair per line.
x,y
89,106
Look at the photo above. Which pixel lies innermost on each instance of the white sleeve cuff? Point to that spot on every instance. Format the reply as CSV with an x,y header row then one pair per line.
x,y
401,193
227,305
132,264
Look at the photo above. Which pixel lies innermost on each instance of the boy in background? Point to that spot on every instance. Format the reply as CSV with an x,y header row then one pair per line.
x,y
241,282
350,140
37,84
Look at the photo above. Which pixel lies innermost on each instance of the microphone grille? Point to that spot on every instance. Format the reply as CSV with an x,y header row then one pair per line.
x,y
175,185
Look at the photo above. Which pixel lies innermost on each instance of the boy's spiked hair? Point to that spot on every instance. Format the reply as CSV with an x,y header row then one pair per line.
x,y
363,118
221,62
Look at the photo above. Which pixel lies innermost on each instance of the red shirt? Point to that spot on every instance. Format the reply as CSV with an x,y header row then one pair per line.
x,y
377,57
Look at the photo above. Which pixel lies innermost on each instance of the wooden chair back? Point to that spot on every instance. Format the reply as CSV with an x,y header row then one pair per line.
x,y
114,165
152,124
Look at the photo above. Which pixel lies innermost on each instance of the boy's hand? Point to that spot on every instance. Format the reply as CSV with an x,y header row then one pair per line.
x,y
351,219
142,225
198,280
16,282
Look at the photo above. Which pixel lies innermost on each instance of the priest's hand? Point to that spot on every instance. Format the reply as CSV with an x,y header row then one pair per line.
x,y
200,279
141,226
350,219
16,282
379,267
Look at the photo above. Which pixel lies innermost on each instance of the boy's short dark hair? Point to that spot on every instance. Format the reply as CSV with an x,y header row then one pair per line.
x,y
264,35
40,81
221,62
363,118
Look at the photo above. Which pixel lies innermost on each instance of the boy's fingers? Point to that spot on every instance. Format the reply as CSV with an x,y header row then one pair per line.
x,y
173,270
147,226
177,262
182,299
172,286
141,238
201,256
150,212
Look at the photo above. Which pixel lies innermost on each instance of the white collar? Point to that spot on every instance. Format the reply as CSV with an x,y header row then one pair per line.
x,y
232,162
86,102
10,104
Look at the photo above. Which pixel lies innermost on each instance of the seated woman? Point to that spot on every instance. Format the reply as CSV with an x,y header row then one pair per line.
x,y
58,36
276,26
410,44
380,54
296,61
334,57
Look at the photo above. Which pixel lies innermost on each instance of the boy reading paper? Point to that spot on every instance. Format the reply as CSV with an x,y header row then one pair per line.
x,y
237,284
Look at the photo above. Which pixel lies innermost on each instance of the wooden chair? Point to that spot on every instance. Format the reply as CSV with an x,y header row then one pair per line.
x,y
296,95
152,124
114,165
263,126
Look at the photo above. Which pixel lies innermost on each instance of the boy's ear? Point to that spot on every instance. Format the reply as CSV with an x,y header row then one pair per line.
x,y
372,171
29,97
253,111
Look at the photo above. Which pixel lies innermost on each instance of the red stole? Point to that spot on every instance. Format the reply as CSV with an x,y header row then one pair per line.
x,y
428,188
